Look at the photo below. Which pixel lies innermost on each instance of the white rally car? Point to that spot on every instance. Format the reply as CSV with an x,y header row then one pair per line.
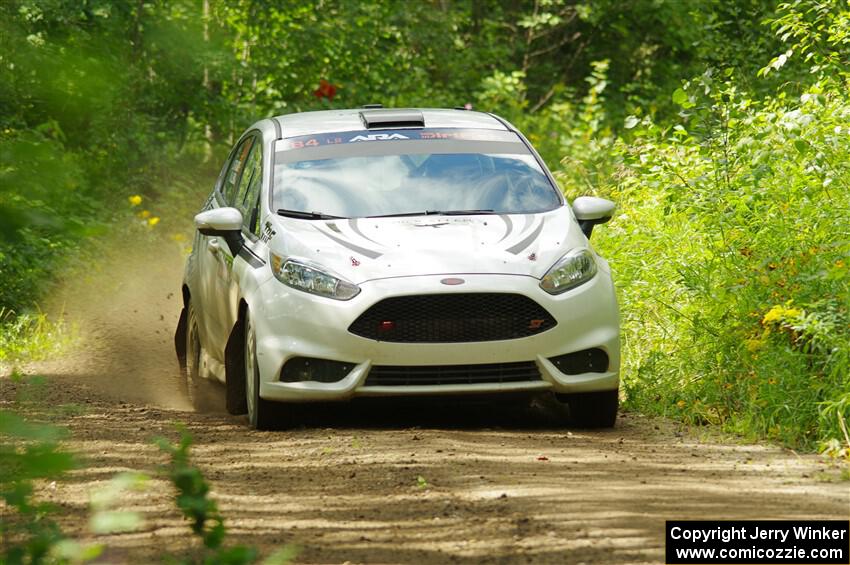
x,y
396,252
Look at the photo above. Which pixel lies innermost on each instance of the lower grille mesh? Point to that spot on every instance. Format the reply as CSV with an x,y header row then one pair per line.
x,y
400,375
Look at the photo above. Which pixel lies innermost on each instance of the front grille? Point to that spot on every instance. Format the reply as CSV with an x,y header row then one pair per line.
x,y
453,318
400,375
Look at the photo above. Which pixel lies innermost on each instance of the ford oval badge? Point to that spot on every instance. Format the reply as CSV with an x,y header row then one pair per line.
x,y
452,281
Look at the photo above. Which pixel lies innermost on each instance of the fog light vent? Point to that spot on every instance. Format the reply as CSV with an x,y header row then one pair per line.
x,y
586,361
301,369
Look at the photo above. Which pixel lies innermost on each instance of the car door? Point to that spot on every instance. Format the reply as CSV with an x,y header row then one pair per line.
x,y
215,259
226,283
254,248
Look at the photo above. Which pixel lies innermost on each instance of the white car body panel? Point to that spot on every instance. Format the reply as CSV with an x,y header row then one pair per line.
x,y
317,327
327,121
517,244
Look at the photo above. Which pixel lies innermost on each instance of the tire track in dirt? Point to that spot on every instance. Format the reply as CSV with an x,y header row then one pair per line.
x,y
426,482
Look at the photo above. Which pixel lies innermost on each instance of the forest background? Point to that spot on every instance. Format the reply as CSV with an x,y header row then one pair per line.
x,y
719,127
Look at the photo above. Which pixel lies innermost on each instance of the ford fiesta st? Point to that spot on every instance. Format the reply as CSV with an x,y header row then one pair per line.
x,y
396,252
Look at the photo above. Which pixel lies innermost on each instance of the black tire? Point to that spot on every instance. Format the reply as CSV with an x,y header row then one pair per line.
x,y
198,390
261,413
192,366
593,409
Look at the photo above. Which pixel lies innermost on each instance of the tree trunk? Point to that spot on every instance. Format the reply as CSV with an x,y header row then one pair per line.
x,y
208,132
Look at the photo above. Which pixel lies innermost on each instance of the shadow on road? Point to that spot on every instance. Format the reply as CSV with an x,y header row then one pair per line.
x,y
508,411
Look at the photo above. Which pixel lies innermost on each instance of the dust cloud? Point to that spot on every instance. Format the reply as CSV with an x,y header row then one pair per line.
x,y
124,305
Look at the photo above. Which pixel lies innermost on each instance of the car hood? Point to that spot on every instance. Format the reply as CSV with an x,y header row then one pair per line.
x,y
362,249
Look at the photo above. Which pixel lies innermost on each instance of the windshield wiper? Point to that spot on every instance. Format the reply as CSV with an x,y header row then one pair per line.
x,y
307,215
435,213
460,212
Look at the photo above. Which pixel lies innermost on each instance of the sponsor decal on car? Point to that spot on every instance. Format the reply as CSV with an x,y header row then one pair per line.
x,y
336,138
378,137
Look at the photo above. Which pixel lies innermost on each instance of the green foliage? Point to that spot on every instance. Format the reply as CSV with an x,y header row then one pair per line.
x,y
731,248
104,518
103,100
30,453
192,491
30,336
202,512
732,256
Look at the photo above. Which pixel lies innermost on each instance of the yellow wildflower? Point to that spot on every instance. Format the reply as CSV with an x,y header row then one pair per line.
x,y
153,221
681,404
135,200
779,314
145,214
773,315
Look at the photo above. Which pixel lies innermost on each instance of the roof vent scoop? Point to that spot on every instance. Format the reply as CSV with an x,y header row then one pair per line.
x,y
392,119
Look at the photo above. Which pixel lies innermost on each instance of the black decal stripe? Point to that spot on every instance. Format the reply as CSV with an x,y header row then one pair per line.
x,y
250,258
528,240
352,223
509,226
362,250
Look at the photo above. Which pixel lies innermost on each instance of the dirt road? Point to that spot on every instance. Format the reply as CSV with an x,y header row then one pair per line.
x,y
422,483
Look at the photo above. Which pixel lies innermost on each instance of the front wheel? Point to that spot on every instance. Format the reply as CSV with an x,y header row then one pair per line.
x,y
593,409
260,411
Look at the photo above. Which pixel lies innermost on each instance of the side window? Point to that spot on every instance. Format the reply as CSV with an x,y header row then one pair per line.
x,y
234,173
251,203
246,195
219,182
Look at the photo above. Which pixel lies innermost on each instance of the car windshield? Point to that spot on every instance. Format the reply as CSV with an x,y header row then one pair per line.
x,y
386,178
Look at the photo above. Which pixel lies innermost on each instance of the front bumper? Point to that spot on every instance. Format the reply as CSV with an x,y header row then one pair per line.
x,y
290,323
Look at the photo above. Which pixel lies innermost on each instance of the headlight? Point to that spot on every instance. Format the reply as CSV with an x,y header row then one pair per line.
x,y
312,278
573,269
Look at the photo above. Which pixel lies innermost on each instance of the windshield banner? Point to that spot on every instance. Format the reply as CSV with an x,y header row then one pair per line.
x,y
366,136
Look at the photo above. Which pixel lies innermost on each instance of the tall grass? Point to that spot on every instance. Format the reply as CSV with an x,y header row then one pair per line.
x,y
731,248
32,336
732,256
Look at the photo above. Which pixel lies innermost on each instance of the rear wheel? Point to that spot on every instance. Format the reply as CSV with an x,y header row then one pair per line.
x,y
192,369
200,391
260,411
593,409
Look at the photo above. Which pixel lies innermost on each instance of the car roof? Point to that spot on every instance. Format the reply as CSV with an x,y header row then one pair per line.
x,y
327,121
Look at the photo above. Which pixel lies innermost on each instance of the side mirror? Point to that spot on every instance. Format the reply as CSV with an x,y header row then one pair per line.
x,y
222,222
591,211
